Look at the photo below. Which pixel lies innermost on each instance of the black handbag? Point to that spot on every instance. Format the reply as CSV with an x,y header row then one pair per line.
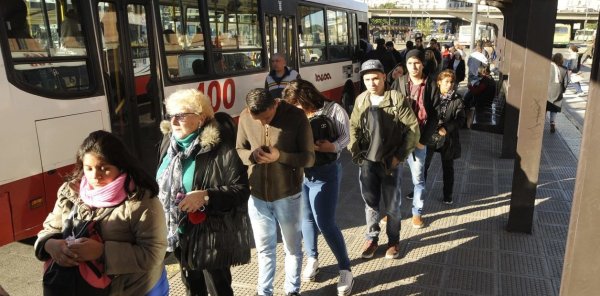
x,y
437,141
220,241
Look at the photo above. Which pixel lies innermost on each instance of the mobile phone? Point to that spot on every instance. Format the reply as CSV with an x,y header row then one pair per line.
x,y
265,149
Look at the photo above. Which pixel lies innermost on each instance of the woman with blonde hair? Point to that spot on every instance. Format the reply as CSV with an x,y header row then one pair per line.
x,y
204,191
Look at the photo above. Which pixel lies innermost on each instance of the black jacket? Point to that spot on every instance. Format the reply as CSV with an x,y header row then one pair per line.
x,y
451,120
429,100
460,71
219,170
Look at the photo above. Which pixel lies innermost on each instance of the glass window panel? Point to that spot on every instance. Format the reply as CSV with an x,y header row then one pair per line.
x,y
61,77
312,26
237,61
194,33
170,16
37,32
234,24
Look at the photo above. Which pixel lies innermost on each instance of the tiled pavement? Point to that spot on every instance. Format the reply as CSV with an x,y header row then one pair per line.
x,y
464,250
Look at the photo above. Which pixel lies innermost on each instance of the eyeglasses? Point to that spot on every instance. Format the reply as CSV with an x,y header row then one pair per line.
x,y
178,116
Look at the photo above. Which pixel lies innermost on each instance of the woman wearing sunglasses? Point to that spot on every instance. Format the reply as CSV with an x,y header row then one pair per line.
x,y
204,190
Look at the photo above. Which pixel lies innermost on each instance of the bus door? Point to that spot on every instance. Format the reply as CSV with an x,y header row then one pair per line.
x,y
129,75
280,29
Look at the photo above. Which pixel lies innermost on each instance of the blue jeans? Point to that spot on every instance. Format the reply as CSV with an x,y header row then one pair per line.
x,y
416,164
264,217
320,192
376,186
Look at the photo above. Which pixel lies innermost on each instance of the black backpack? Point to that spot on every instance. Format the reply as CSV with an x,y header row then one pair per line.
x,y
323,128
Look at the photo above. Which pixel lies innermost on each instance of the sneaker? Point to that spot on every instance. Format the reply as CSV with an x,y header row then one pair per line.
x,y
392,252
410,196
369,249
417,222
310,270
344,286
552,128
447,200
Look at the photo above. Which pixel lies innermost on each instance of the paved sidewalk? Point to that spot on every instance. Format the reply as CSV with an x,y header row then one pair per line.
x,y
464,250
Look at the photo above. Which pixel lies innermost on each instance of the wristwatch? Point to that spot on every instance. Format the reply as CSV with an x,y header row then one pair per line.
x,y
206,198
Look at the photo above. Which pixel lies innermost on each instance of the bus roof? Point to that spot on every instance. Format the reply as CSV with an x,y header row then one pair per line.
x,y
350,4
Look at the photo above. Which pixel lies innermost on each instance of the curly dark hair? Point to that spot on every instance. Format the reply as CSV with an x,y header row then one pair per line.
x,y
112,150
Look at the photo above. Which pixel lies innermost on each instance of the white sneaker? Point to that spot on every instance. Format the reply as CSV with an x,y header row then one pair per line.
x,y
344,286
310,270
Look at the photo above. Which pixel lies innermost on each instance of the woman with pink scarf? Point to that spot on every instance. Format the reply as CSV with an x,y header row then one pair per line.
x,y
108,189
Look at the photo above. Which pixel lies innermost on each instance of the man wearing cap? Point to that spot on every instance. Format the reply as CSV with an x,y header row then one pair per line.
x,y
419,91
383,132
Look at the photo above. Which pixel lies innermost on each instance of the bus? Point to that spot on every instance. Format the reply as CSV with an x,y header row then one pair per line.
x,y
562,35
71,67
483,32
585,35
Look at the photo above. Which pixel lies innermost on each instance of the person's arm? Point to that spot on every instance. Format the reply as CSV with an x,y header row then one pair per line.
x,y
242,144
342,124
354,131
411,137
148,246
234,191
52,226
305,156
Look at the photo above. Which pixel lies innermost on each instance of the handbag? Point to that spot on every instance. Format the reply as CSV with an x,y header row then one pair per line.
x,y
437,141
88,278
220,241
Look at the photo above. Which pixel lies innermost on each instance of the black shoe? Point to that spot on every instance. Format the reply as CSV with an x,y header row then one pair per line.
x,y
552,128
410,195
447,200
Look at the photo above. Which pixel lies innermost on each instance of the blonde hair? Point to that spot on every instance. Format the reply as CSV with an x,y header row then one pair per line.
x,y
191,100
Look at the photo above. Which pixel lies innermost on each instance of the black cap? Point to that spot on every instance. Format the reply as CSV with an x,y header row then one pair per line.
x,y
371,65
415,53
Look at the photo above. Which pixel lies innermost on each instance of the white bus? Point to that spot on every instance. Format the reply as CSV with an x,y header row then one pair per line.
x,y
585,35
71,67
483,32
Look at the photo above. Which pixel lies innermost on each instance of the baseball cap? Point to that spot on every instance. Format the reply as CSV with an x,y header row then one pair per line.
x,y
371,65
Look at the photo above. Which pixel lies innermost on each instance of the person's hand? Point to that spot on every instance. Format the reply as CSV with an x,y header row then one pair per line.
x,y
60,252
420,146
442,131
193,201
86,249
324,146
261,156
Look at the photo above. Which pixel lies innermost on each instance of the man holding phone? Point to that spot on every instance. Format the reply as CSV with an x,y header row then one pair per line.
x,y
275,141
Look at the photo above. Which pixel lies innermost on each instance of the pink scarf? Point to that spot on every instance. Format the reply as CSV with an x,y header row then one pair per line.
x,y
104,197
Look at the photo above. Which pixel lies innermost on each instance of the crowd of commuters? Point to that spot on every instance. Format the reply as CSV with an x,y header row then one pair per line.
x,y
218,183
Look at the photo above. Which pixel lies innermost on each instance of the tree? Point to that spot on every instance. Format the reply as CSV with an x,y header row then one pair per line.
x,y
425,26
388,5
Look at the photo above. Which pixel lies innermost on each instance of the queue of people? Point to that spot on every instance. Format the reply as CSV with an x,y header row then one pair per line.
x,y
210,192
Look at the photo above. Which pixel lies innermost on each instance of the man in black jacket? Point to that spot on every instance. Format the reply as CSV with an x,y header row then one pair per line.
x,y
383,55
420,90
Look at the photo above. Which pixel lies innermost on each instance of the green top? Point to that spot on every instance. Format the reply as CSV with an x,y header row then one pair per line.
x,y
189,164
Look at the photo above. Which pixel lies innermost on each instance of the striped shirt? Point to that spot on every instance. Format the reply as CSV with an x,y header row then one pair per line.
x,y
341,121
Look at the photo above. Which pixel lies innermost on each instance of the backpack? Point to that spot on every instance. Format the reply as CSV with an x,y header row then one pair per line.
x,y
323,128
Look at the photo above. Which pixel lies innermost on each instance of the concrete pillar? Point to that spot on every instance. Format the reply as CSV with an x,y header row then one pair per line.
x,y
582,261
533,52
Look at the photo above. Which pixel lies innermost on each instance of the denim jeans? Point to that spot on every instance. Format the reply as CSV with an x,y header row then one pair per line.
x,y
320,192
416,164
264,217
376,186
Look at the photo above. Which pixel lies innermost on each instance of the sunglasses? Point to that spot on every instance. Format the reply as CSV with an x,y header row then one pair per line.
x,y
178,116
